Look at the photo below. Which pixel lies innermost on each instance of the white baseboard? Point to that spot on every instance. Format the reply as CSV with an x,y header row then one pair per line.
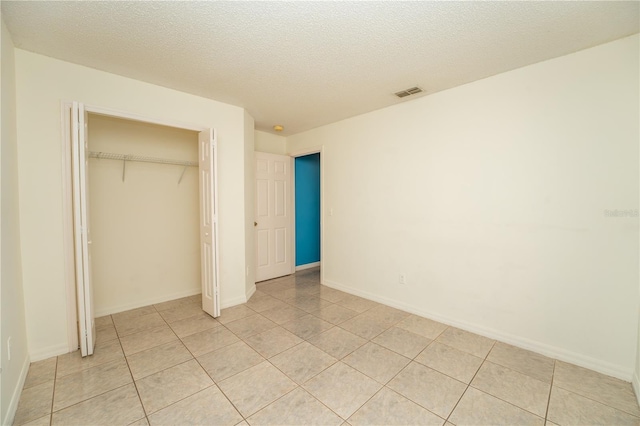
x,y
233,302
48,352
223,304
110,310
636,385
17,391
250,292
534,346
307,266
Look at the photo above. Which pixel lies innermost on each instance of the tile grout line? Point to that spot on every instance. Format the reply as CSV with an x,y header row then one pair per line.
x,y
135,384
180,363
53,394
383,385
209,352
264,359
221,391
272,402
470,381
209,375
322,403
499,398
155,345
506,402
315,375
80,371
369,399
89,399
546,414
344,356
233,375
596,401
193,357
503,400
410,361
336,362
551,385
370,340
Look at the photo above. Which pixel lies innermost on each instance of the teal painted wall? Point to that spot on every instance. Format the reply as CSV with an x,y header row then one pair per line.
x,y
307,181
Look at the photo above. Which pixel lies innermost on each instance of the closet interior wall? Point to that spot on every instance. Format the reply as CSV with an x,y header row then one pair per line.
x,y
145,229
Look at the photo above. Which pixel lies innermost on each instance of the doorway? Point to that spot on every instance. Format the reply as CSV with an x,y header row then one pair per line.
x,y
307,208
312,178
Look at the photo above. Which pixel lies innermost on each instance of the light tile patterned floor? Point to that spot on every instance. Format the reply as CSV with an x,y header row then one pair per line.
x,y
299,353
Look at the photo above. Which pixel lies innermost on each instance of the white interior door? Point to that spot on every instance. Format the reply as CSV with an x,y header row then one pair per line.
x,y
209,223
82,235
274,257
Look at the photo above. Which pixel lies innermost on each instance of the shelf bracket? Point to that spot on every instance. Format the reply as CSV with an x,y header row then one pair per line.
x,y
182,174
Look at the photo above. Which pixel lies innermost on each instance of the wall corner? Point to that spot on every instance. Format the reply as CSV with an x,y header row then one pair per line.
x,y
249,182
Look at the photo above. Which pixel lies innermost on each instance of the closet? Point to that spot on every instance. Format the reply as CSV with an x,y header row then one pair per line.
x,y
144,215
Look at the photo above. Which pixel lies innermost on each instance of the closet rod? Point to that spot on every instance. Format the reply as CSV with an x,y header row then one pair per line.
x,y
139,158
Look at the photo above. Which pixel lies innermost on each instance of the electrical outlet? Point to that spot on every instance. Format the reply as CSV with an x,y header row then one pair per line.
x,y
9,349
401,279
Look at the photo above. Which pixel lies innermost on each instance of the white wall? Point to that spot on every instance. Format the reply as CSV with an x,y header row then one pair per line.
x,y
145,231
490,198
11,293
42,83
268,142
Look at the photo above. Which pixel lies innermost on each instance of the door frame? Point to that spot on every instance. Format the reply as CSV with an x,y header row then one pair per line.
x,y
294,155
67,199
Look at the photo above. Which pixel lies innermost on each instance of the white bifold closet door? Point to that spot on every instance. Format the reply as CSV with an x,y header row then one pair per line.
x,y
82,234
207,155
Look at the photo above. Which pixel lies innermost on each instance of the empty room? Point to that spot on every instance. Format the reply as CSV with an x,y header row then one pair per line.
x,y
336,213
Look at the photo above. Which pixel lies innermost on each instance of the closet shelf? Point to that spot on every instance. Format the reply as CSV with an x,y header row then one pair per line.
x,y
140,159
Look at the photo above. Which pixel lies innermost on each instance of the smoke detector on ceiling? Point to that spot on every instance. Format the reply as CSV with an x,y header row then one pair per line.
x,y
408,92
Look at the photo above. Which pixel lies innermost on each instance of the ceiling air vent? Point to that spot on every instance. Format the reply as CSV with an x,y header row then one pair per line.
x,y
408,92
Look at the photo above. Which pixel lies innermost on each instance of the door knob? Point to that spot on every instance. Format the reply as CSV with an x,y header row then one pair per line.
x,y
255,223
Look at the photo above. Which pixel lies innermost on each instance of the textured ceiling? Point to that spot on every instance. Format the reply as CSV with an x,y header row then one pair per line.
x,y
305,64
